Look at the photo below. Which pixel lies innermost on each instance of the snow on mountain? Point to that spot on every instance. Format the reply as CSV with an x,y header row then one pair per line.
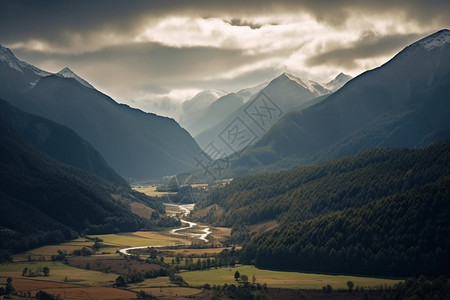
x,y
435,40
136,144
312,86
68,73
13,62
402,103
338,82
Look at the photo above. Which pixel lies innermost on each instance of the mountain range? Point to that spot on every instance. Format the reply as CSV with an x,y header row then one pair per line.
x,y
135,144
401,103
264,106
216,111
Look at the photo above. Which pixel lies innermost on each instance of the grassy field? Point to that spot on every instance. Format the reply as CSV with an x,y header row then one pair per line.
x,y
150,190
58,273
140,238
280,279
45,252
112,243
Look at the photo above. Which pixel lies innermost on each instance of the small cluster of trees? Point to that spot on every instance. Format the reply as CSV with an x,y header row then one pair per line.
x,y
85,251
194,262
241,291
62,256
45,271
243,278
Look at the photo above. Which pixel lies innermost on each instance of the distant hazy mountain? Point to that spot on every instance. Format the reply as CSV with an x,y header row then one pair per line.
x,y
193,109
136,144
405,102
248,93
255,117
44,201
220,109
58,141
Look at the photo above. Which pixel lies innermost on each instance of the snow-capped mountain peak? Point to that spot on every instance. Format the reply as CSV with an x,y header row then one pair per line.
x,y
8,57
68,73
13,62
338,82
435,40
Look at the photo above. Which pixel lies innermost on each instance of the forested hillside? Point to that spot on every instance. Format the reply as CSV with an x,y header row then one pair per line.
x,y
384,211
44,201
307,192
58,141
400,235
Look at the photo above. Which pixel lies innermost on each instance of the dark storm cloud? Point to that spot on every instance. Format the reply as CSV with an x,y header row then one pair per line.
x,y
150,62
370,45
137,47
239,22
53,20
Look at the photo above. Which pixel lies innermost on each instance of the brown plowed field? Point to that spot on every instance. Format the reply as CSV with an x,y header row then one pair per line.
x,y
113,264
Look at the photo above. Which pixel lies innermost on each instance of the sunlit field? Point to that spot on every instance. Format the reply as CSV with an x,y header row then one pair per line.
x,y
140,238
280,279
150,190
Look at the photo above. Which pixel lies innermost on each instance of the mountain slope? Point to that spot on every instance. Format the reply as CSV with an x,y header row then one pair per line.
x,y
135,144
339,81
384,212
44,201
220,109
307,192
193,109
16,76
216,112
58,141
402,103
400,235
262,111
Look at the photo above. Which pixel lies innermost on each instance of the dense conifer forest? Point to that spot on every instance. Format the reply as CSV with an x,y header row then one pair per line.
x,y
381,212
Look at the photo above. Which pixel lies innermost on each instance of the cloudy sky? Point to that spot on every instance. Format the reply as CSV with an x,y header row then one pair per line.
x,y
147,52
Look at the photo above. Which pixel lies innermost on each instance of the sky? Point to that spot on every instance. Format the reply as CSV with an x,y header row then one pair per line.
x,y
155,54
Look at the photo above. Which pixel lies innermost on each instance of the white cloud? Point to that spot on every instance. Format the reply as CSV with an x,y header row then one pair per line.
x,y
185,31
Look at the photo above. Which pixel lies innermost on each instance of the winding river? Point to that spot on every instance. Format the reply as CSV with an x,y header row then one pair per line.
x,y
186,208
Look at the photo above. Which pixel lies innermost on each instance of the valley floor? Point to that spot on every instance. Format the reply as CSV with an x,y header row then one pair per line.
x,y
94,276
88,269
